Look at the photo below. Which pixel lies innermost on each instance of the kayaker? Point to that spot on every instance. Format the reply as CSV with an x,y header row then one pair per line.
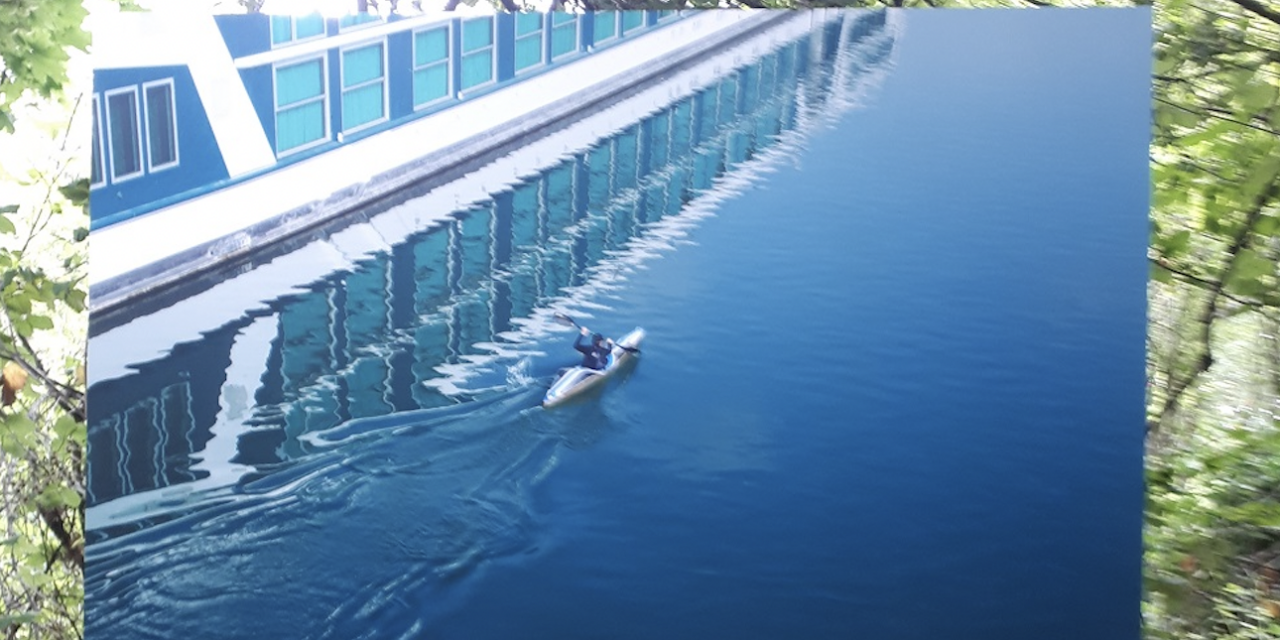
x,y
596,354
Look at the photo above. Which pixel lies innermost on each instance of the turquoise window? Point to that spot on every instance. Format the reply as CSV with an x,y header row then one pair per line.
x,y
477,52
96,172
362,86
632,20
356,19
430,65
162,138
606,25
662,15
564,34
122,123
528,40
285,29
300,113
308,26
281,29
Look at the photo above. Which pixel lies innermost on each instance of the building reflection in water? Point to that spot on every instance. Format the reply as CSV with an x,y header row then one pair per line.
x,y
392,333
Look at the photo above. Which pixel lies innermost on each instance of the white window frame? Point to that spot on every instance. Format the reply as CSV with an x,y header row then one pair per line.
x,y
324,101
577,37
343,88
137,123
146,124
293,32
98,144
447,62
463,53
544,49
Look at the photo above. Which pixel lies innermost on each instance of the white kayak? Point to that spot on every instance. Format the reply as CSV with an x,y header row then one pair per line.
x,y
576,381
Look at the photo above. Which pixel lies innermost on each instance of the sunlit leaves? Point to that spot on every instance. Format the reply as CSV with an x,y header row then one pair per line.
x,y
76,192
17,433
1171,246
1257,95
1247,277
41,292
1262,175
17,618
34,50
1215,153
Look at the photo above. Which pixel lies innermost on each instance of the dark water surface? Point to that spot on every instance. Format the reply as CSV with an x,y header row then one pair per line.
x,y
892,275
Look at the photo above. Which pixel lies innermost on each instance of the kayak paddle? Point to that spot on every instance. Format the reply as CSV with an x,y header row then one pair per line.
x,y
563,319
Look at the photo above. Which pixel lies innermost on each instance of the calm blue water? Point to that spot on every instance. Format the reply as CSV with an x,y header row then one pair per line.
x,y
892,385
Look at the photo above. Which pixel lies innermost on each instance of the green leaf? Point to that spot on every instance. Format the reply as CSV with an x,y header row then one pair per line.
x,y
1185,117
58,496
76,299
1247,268
1267,225
17,433
6,225
1212,223
1160,274
81,234
1174,245
1260,514
77,192
1261,177
10,619
65,426
1257,95
1214,131
20,303
40,322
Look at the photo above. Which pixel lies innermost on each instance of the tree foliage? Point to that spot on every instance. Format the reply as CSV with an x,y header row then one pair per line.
x,y
34,51
1213,532
42,330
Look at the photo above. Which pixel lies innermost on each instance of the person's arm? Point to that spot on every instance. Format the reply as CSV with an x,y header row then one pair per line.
x,y
577,344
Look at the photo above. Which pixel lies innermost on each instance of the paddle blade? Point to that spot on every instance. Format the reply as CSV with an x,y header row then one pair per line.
x,y
565,320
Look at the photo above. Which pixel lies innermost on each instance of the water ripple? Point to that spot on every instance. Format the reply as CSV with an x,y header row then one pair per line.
x,y
401,504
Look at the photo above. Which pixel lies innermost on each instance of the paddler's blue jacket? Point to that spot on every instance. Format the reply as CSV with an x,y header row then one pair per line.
x,y
593,357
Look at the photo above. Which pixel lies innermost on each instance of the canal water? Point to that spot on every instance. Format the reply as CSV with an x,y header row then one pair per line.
x,y
892,272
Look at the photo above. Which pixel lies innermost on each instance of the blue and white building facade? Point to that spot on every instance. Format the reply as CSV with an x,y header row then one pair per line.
x,y
214,134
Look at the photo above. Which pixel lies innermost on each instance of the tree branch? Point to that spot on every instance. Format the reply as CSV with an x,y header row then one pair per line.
x,y
1216,292
1260,9
68,398
1213,112
1209,285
